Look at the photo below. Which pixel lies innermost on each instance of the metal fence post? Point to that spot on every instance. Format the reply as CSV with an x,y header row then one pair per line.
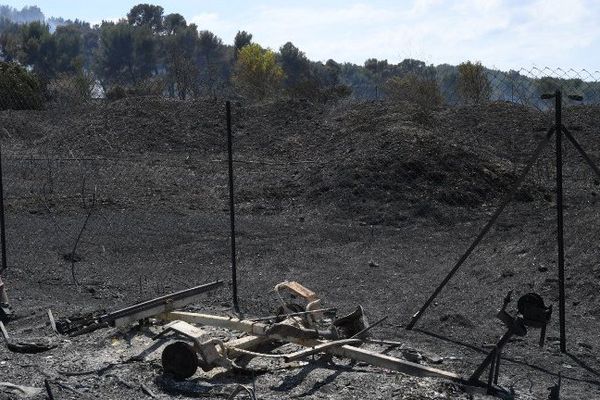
x,y
2,221
559,219
232,209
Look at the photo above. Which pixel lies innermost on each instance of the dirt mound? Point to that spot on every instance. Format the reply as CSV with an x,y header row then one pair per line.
x,y
394,168
137,124
371,161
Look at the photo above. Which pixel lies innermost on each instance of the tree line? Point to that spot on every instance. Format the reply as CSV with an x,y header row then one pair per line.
x,y
150,52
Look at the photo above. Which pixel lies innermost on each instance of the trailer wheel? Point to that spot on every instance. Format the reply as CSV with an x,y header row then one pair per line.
x,y
180,360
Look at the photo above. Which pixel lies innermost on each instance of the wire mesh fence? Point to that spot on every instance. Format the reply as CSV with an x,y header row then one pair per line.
x,y
453,87
523,86
158,194
364,202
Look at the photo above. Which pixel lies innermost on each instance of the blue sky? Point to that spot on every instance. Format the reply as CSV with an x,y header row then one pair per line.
x,y
501,33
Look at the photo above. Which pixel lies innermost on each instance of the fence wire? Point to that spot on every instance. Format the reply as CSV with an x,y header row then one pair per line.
x,y
523,86
342,192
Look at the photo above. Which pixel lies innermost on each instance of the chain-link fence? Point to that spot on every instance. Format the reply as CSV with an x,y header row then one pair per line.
x,y
356,200
523,86
364,202
452,87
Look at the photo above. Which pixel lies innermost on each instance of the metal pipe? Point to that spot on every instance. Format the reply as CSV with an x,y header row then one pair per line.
x,y
234,287
296,314
485,229
2,220
559,220
137,310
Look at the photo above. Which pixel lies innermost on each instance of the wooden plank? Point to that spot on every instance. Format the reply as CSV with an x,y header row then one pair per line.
x,y
244,343
187,330
393,363
236,324
298,289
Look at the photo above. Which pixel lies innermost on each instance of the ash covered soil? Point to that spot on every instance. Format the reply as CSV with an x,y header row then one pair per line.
x,y
364,203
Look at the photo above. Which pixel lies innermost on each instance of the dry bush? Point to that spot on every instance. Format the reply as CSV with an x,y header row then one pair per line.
x,y
19,88
311,90
147,87
422,91
116,92
473,84
71,89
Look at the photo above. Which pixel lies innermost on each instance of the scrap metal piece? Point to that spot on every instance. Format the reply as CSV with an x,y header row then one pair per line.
x,y
40,345
535,313
281,314
211,353
158,305
347,351
6,312
78,325
296,289
299,355
354,323
291,331
531,313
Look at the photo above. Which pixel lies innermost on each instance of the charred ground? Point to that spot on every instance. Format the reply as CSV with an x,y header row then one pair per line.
x,y
365,203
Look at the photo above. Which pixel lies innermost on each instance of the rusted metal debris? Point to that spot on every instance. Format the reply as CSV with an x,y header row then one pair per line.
x,y
317,334
29,346
310,326
82,324
532,313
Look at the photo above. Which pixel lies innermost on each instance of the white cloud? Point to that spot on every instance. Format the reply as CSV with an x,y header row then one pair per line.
x,y
505,33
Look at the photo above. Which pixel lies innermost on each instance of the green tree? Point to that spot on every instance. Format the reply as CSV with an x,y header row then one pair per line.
x,y
473,84
19,88
328,74
257,73
173,22
126,55
210,50
69,48
38,49
376,66
295,65
180,53
146,15
10,39
209,45
242,38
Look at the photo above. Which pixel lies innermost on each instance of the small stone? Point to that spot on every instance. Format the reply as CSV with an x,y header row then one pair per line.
x,y
542,268
373,264
412,355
